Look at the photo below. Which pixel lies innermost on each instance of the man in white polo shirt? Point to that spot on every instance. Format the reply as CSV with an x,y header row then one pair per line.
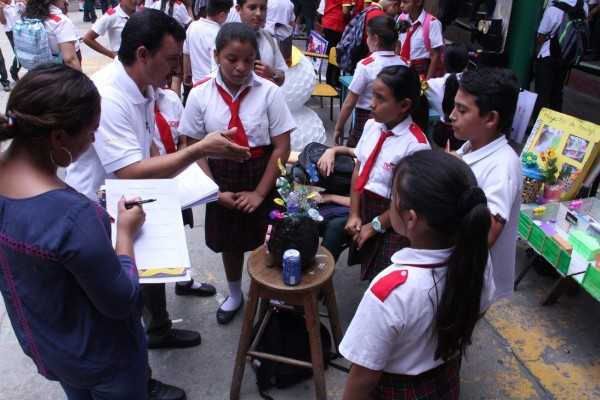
x,y
150,52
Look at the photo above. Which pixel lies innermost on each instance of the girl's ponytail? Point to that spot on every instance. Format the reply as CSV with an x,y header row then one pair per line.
x,y
450,89
459,306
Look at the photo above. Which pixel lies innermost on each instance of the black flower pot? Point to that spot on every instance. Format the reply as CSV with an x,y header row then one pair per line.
x,y
300,233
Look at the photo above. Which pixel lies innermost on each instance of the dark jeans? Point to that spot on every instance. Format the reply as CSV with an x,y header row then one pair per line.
x,y
129,383
596,36
308,10
106,4
333,72
3,75
155,314
549,84
16,65
89,10
335,237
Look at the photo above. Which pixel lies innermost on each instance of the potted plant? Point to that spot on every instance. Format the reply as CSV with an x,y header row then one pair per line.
x,y
552,188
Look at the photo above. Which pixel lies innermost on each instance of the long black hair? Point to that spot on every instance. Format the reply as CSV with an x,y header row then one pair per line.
x,y
443,190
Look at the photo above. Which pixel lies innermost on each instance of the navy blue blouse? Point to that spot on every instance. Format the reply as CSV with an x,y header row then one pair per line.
x,y
73,303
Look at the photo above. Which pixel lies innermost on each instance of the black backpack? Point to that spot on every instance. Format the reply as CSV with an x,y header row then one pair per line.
x,y
569,44
336,183
286,335
351,49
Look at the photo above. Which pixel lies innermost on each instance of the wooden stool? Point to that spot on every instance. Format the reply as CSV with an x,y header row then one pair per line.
x,y
267,284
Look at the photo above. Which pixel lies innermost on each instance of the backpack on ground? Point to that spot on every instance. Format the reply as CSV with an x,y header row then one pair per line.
x,y
336,183
32,47
427,41
571,40
286,335
351,49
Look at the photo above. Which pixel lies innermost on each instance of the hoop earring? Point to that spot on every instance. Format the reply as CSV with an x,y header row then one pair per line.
x,y
61,166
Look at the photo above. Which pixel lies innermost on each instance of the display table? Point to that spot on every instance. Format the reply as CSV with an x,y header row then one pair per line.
x,y
537,230
267,284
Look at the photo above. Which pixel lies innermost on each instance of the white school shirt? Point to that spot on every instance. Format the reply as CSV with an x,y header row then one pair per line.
x,y
264,111
392,329
200,45
60,29
498,171
418,51
366,73
12,13
279,15
233,15
125,133
435,93
179,11
171,108
113,22
403,143
549,25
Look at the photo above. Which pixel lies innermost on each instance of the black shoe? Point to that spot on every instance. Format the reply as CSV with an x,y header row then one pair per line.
x,y
592,57
86,19
177,339
6,88
15,76
225,317
185,289
161,391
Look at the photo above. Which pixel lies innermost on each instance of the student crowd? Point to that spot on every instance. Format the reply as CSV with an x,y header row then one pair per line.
x,y
433,230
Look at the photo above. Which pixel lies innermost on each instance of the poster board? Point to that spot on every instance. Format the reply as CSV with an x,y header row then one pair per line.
x,y
575,141
318,45
525,106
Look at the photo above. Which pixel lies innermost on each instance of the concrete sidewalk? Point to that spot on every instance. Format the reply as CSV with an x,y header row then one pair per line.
x,y
520,351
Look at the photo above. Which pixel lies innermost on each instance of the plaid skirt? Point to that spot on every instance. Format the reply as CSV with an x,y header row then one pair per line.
x,y
421,66
440,383
376,253
235,231
361,116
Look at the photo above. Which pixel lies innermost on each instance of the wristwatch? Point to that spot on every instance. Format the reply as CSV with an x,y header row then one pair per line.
x,y
377,225
275,77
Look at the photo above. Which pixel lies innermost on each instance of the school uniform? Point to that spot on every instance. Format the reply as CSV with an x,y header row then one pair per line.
x,y
416,51
498,171
200,45
442,130
279,15
12,13
60,29
113,22
392,327
263,113
406,138
362,85
167,114
179,11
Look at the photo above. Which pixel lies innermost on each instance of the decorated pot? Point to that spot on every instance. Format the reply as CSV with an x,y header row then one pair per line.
x,y
300,233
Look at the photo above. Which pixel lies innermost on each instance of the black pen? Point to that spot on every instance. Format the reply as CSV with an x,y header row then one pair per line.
x,y
138,203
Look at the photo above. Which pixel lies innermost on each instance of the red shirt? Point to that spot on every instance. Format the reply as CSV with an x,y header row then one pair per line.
x,y
333,18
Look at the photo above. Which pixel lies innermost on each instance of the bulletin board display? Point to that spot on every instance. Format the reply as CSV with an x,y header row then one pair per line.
x,y
575,141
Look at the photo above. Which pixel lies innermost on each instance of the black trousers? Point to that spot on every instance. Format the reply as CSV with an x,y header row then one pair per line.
x,y
549,84
16,66
333,72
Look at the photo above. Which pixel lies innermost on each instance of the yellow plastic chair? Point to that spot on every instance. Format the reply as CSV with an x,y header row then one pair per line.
x,y
323,89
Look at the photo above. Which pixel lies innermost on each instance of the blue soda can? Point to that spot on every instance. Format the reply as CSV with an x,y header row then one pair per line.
x,y
291,267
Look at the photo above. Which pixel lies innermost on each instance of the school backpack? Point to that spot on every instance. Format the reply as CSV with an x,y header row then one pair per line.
x,y
286,335
336,183
351,49
427,41
571,40
31,43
